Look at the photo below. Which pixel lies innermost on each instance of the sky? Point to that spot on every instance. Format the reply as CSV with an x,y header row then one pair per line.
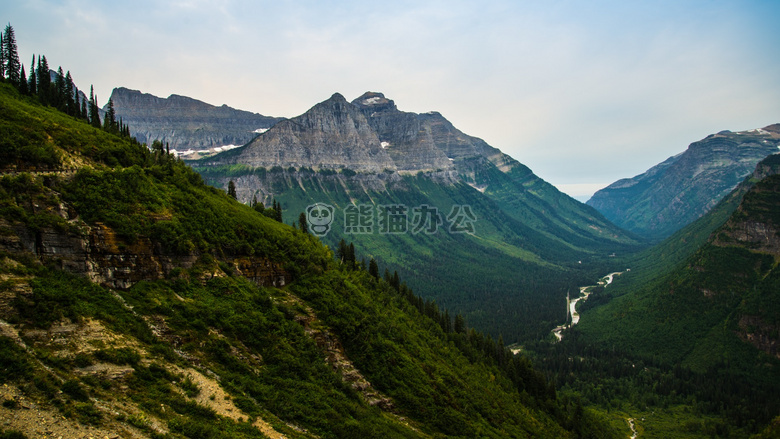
x,y
582,92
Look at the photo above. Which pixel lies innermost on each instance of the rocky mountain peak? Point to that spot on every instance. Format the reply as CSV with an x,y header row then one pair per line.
x,y
337,97
332,135
774,129
373,101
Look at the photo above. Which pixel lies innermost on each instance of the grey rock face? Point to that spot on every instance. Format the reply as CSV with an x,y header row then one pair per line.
x,y
423,142
405,136
332,135
184,122
672,194
368,135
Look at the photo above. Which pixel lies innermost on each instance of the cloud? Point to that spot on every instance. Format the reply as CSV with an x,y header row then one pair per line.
x,y
582,92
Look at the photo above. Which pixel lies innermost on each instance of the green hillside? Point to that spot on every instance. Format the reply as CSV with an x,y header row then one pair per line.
x,y
137,300
507,278
691,330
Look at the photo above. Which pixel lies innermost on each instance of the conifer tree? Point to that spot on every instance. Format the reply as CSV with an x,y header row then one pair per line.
x,y
23,83
395,281
44,81
259,207
447,322
341,252
2,56
302,223
71,100
460,324
109,120
277,208
94,115
32,85
59,90
84,113
373,269
231,188
12,63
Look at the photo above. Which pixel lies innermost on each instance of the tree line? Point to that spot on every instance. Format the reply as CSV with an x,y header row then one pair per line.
x,y
55,89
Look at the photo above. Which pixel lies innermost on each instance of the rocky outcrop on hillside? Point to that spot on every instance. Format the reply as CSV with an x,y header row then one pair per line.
x,y
186,123
96,252
672,194
755,224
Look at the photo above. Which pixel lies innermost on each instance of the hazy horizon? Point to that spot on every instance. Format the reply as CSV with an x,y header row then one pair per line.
x,y
583,93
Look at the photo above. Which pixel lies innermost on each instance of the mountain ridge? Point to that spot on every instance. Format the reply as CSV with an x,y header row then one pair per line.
x,y
673,193
689,335
185,123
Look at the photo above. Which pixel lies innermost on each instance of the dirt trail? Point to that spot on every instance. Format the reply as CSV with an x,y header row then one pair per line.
x,y
212,395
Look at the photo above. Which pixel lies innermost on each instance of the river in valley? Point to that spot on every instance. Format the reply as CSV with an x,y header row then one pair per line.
x,y
571,304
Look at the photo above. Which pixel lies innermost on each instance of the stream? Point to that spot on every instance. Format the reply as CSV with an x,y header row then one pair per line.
x,y
633,428
571,304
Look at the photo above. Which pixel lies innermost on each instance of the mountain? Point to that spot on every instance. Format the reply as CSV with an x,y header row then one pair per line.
x,y
684,187
694,326
525,245
136,301
185,123
332,135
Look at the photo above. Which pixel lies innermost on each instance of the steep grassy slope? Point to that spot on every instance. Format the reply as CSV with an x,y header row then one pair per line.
x,y
135,300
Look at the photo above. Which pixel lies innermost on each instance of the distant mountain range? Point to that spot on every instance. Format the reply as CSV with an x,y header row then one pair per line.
x,y
184,123
672,194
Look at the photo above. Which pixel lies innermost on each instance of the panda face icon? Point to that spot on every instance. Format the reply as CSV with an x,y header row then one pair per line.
x,y
319,216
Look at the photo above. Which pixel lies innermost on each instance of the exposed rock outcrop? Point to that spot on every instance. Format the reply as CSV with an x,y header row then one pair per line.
x,y
96,252
754,225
